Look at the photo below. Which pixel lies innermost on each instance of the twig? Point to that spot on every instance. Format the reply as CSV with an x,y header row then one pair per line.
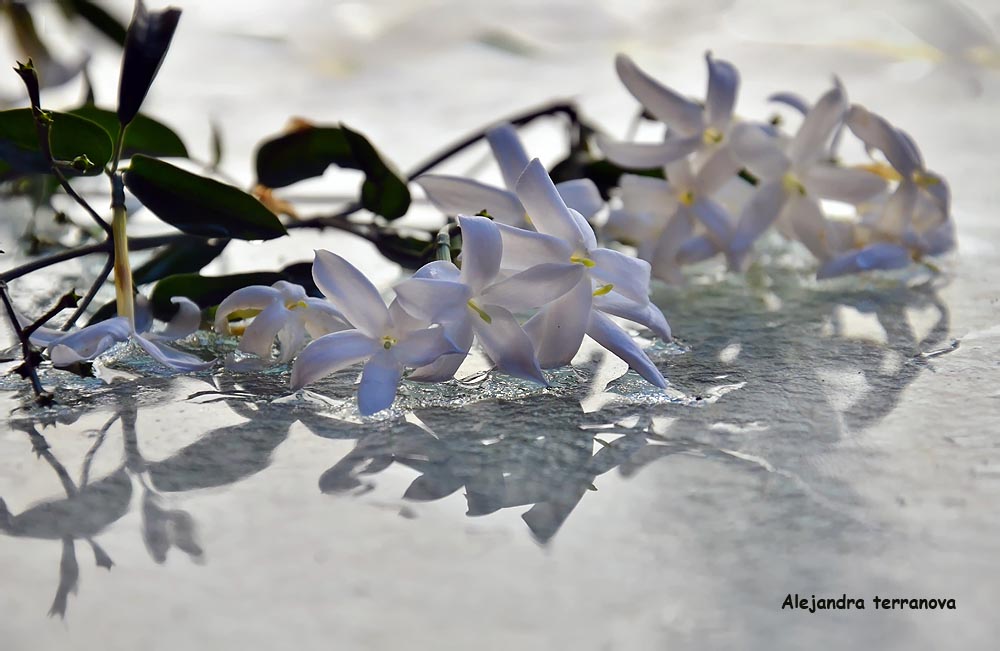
x,y
91,293
28,368
65,302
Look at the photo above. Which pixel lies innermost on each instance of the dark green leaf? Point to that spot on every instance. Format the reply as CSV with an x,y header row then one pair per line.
x,y
406,251
144,135
107,311
186,256
146,43
209,291
199,205
70,136
308,151
603,173
100,19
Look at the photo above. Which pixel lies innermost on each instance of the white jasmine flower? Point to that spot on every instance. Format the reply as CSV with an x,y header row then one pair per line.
x,y
285,313
474,300
387,340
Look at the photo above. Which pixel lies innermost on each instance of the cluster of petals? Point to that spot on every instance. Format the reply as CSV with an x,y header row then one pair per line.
x,y
901,210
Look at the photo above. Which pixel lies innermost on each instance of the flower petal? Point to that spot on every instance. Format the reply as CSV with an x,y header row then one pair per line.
x,y
605,332
647,155
439,270
258,338
758,151
523,249
715,219
482,249
422,347
351,293
875,256
331,353
454,195
629,276
808,224
809,143
546,209
875,131
723,83
170,357
509,152
184,323
677,112
793,100
557,330
254,297
533,287
758,215
582,196
508,345
88,343
664,255
645,313
720,168
696,249
445,367
321,318
853,186
429,299
379,382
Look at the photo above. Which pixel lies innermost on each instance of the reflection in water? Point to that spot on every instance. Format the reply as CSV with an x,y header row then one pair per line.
x,y
772,381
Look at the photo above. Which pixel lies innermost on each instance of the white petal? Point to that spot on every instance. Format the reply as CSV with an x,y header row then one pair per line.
x,y
507,345
546,209
42,337
445,367
758,215
422,347
557,330
808,224
940,239
255,297
523,249
647,155
680,176
142,313
430,299
809,143
509,152
331,353
185,322
723,83
697,249
482,248
534,287
793,100
628,275
645,313
897,215
258,338
715,219
173,358
454,195
290,292
351,293
88,343
665,105
875,256
758,151
582,196
321,318
876,132
678,230
379,382
292,337
720,168
604,331
646,194
845,184
438,269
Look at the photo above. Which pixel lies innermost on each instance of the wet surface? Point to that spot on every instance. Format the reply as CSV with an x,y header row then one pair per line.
x,y
816,438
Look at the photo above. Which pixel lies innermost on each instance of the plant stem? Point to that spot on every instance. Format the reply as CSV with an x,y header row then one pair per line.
x,y
123,269
28,368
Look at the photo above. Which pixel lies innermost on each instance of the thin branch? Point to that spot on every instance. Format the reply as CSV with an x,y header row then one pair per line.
x,y
28,368
91,293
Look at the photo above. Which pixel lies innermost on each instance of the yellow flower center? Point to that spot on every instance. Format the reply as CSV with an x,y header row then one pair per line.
x,y
603,289
294,305
581,259
792,184
925,180
711,136
686,198
480,311
388,342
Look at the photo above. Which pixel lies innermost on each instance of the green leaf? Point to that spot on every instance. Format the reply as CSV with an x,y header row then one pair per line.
x,y
186,256
209,291
70,136
407,251
199,205
144,135
146,43
308,151
100,19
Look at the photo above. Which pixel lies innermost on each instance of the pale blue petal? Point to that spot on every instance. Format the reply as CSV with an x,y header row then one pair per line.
x,y
482,249
351,293
534,287
509,152
331,353
629,276
546,209
810,142
254,297
758,215
186,322
667,106
557,330
758,151
644,313
523,249
582,196
445,367
647,155
422,347
850,185
875,256
604,331
507,345
723,84
258,338
379,382
87,343
429,299
876,132
454,195
173,358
